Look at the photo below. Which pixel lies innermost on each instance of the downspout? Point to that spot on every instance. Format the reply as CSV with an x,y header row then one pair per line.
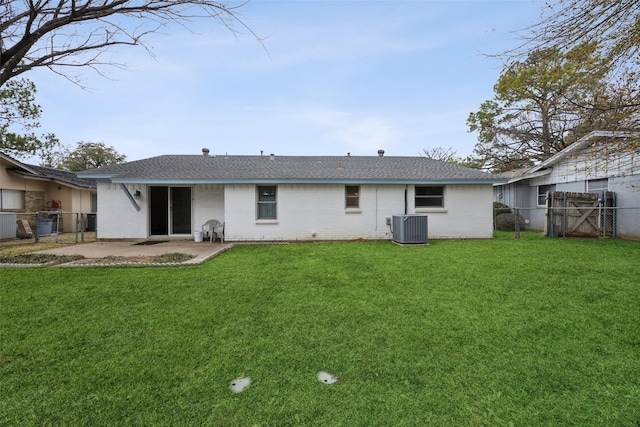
x,y
131,199
406,201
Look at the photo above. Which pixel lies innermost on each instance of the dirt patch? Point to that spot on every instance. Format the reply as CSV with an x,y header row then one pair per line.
x,y
170,258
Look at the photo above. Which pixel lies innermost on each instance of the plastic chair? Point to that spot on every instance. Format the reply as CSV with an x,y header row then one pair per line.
x,y
214,229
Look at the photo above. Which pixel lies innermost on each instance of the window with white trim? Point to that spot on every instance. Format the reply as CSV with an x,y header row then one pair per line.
x,y
12,199
267,205
542,193
429,197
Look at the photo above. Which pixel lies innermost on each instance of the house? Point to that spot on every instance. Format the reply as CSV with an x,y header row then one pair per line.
x,y
600,161
289,198
26,189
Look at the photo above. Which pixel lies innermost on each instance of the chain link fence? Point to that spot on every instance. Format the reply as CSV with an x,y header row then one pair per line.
x,y
48,226
577,221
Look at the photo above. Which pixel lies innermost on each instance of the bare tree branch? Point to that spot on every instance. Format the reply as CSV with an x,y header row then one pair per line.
x,y
614,25
75,33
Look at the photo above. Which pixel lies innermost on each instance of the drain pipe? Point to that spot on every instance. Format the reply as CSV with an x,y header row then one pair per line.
x,y
406,200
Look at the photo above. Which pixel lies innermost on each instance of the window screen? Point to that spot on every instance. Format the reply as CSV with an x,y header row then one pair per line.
x,y
267,202
429,197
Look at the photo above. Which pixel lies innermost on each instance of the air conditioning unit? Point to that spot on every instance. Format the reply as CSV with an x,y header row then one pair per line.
x,y
409,229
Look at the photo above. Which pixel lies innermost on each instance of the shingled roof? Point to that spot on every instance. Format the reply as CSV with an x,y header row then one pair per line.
x,y
47,174
227,169
65,177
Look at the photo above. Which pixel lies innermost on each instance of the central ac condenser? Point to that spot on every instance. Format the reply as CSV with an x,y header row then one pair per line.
x,y
409,229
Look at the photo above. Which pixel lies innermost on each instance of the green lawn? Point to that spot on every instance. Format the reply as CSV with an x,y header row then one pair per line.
x,y
458,333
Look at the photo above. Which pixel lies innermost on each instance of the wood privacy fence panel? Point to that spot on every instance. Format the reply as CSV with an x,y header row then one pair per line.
x,y
580,214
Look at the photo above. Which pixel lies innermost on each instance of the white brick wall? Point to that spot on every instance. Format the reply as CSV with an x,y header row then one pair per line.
x,y
467,213
305,212
208,203
117,218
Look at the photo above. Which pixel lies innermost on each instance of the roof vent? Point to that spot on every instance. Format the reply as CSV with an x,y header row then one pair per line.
x,y
205,152
380,153
272,156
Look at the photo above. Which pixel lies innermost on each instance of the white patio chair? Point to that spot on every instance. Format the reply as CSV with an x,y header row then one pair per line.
x,y
214,229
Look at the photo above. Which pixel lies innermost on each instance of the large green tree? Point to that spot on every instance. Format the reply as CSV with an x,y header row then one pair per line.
x,y
542,104
86,155
19,118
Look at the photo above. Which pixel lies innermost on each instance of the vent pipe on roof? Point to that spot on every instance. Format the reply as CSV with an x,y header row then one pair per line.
x,y
380,153
205,152
272,156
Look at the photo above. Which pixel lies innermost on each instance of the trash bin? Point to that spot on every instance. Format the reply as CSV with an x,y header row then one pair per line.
x,y
197,236
91,222
44,226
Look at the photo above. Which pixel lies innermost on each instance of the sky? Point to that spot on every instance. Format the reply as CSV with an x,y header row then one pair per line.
x,y
330,77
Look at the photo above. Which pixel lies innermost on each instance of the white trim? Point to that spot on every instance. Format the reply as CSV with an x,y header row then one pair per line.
x,y
431,210
353,210
266,221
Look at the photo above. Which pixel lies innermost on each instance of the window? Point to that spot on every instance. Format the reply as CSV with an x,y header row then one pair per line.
x,y
12,199
542,193
597,185
429,197
267,202
353,196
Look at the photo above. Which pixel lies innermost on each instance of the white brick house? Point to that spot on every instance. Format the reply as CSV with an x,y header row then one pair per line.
x,y
290,198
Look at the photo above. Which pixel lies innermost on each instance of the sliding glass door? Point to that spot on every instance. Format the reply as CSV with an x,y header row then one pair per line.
x,y
170,210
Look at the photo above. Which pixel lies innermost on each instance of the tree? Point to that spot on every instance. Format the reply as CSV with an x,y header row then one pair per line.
x,y
19,117
613,25
449,155
74,33
440,153
86,155
542,105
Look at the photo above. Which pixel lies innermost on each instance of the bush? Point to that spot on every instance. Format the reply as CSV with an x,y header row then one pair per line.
x,y
500,208
507,222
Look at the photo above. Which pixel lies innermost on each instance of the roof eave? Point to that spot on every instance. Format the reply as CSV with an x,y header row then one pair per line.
x,y
30,176
266,181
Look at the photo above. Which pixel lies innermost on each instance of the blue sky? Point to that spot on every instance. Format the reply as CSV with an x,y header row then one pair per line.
x,y
332,77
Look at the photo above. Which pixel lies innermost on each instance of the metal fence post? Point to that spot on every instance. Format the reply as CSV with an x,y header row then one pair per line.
x,y
37,227
77,225
517,223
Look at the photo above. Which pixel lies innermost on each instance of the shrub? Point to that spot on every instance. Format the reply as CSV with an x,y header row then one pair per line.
x,y
500,208
507,222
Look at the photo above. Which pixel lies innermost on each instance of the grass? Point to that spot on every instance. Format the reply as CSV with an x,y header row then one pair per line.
x,y
18,248
503,332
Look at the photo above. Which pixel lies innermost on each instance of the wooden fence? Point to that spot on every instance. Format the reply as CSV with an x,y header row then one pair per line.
x,y
580,214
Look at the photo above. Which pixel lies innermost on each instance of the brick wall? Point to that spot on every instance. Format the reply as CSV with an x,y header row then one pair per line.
x,y
34,201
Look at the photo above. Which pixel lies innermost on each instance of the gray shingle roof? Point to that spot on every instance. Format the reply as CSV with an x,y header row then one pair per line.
x,y
65,177
289,169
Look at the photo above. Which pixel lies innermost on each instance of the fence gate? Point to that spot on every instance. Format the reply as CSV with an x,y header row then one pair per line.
x,y
580,214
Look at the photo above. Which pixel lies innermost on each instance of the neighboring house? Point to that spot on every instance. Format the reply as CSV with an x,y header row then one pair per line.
x,y
285,198
600,161
28,189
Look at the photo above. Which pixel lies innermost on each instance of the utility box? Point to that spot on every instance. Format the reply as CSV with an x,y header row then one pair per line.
x,y
410,229
7,225
44,226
